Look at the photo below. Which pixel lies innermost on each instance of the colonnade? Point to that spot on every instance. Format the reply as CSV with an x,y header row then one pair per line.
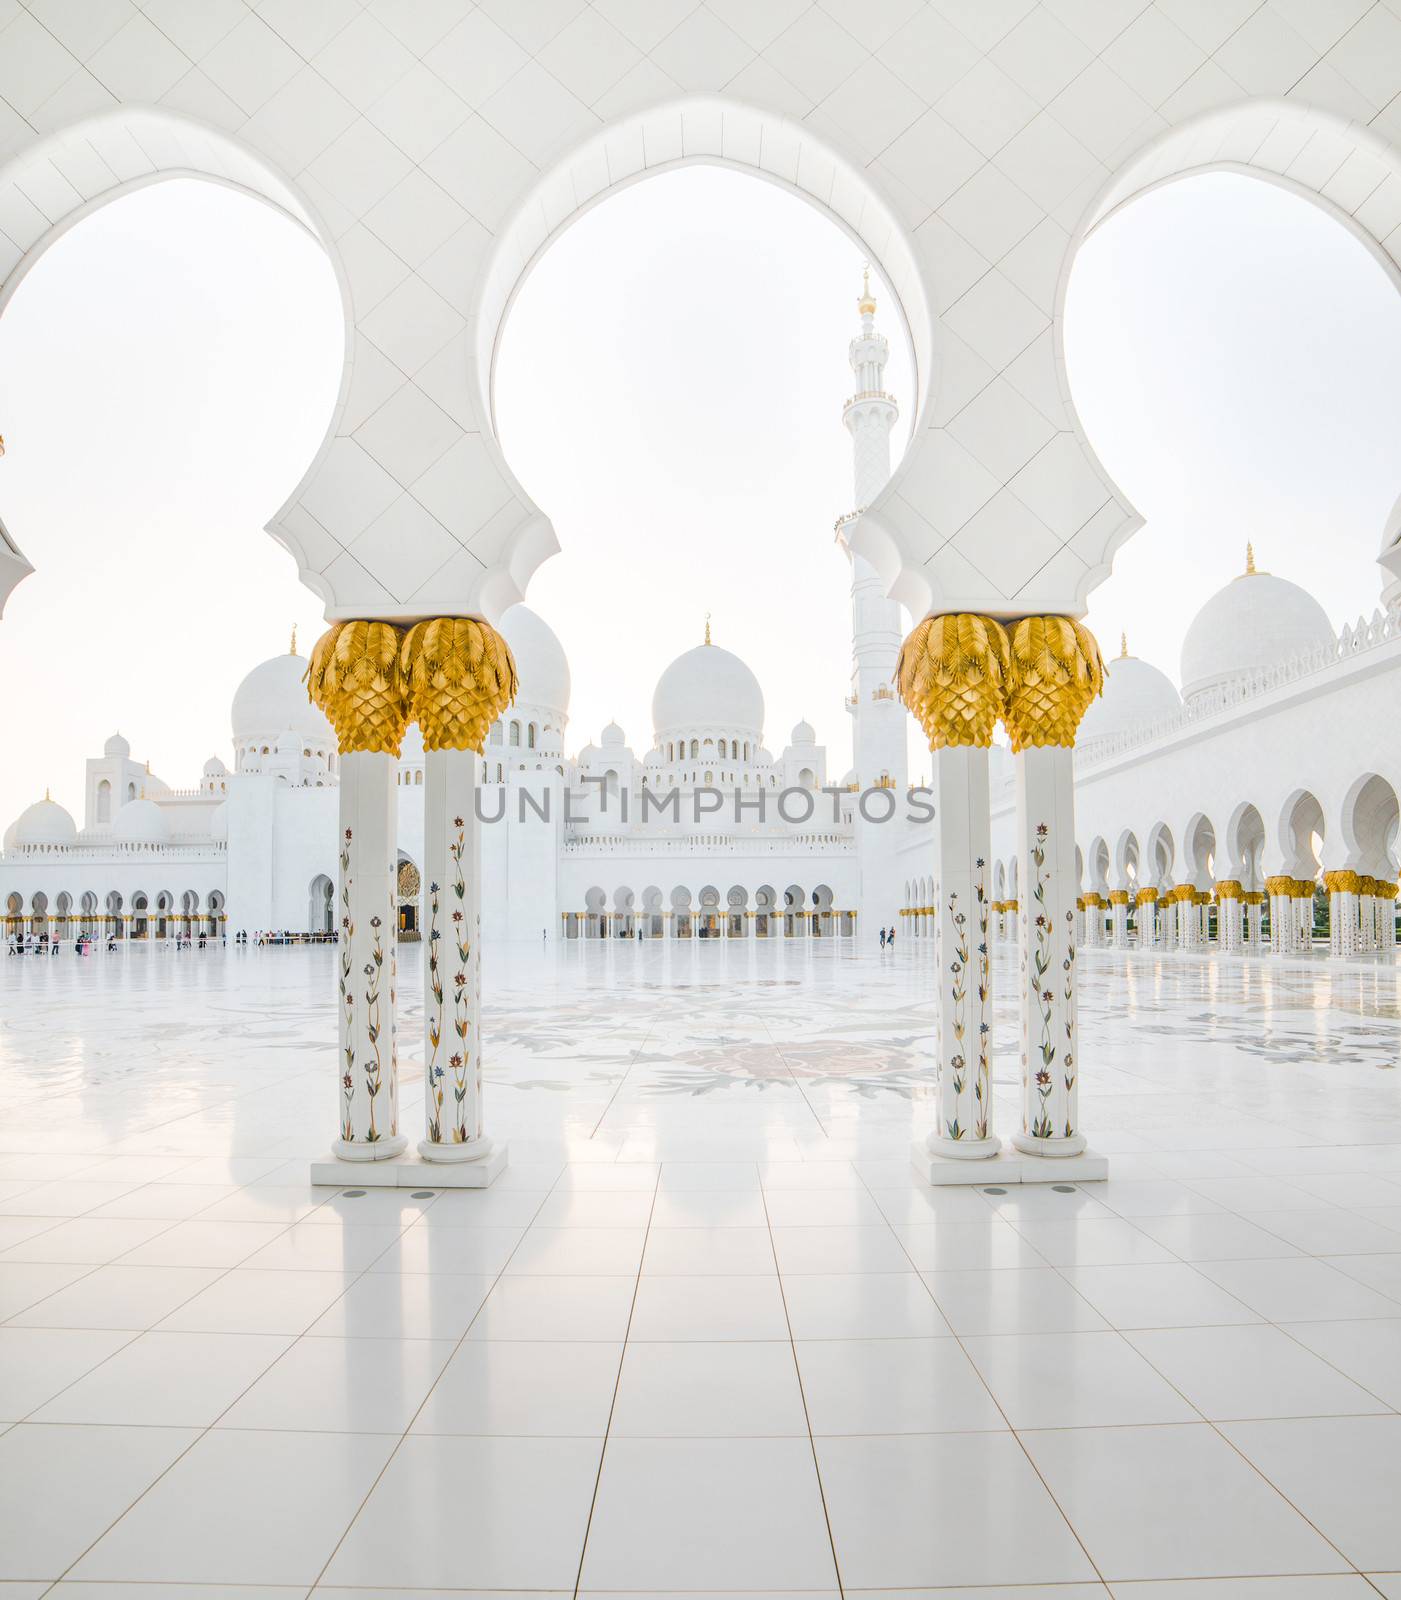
x,y
961,674
453,676
1276,920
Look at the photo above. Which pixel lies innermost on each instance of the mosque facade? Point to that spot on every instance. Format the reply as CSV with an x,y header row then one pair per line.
x,y
705,833
1252,811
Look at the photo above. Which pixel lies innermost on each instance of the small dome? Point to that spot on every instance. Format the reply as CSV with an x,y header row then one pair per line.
x,y
45,822
708,687
613,734
214,768
141,822
804,733
273,699
117,746
219,823
1256,621
541,664
1135,693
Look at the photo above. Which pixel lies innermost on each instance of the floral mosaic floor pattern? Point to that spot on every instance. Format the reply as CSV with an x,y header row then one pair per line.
x,y
707,1335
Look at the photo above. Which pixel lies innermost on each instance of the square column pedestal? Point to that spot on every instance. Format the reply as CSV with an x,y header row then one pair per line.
x,y
1009,1166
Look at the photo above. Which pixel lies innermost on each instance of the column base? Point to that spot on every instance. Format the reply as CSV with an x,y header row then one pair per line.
x,y
361,1150
1049,1149
410,1172
962,1149
1005,1168
450,1154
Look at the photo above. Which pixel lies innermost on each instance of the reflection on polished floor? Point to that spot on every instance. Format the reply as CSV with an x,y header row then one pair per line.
x,y
708,1334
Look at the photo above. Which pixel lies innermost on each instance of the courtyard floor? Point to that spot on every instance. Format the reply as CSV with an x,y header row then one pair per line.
x,y
708,1334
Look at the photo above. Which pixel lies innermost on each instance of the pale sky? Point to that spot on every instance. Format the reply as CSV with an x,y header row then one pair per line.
x,y
669,389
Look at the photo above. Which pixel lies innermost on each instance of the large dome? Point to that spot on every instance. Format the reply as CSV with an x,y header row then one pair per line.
x,y
707,688
1256,621
541,664
45,822
1135,693
272,699
141,822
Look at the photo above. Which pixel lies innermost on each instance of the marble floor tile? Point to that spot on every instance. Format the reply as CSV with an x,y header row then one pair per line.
x,y
1343,1473
526,1388
243,1508
708,1323
176,1380
887,1386
913,1512
119,1296
1032,1300
1251,1371
1114,1485
708,1514
61,1488
486,1513
1074,1380
38,1363
329,1385
719,1389
867,1305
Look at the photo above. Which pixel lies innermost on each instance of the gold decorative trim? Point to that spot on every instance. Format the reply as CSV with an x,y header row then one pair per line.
x,y
1229,889
1055,672
459,676
952,673
354,677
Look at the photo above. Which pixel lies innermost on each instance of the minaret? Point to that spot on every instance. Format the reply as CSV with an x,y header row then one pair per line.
x,y
878,720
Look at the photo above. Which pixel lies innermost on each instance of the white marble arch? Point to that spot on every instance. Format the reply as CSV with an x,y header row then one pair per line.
x,y
437,152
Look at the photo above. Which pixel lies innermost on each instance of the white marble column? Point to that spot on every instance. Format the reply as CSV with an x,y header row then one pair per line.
x,y
1119,914
1255,910
368,1079
1049,1045
1231,930
1303,913
963,963
452,1047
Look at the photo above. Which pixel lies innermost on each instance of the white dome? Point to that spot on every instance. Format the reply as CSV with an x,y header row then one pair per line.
x,y
613,734
219,823
804,733
214,768
1135,692
273,699
707,687
141,822
117,746
541,664
1256,621
45,822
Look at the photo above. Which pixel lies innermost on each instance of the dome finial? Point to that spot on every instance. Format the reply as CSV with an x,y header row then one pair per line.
x,y
1249,560
292,648
1123,646
47,795
707,627
866,305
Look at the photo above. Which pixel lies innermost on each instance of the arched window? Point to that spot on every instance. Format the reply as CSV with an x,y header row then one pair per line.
x,y
695,749
515,733
710,778
530,736
418,779
104,801
131,791
496,733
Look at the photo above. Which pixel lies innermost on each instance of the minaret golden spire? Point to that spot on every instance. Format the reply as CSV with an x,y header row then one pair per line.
x,y
1249,560
47,795
866,305
707,627
1123,647
292,648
